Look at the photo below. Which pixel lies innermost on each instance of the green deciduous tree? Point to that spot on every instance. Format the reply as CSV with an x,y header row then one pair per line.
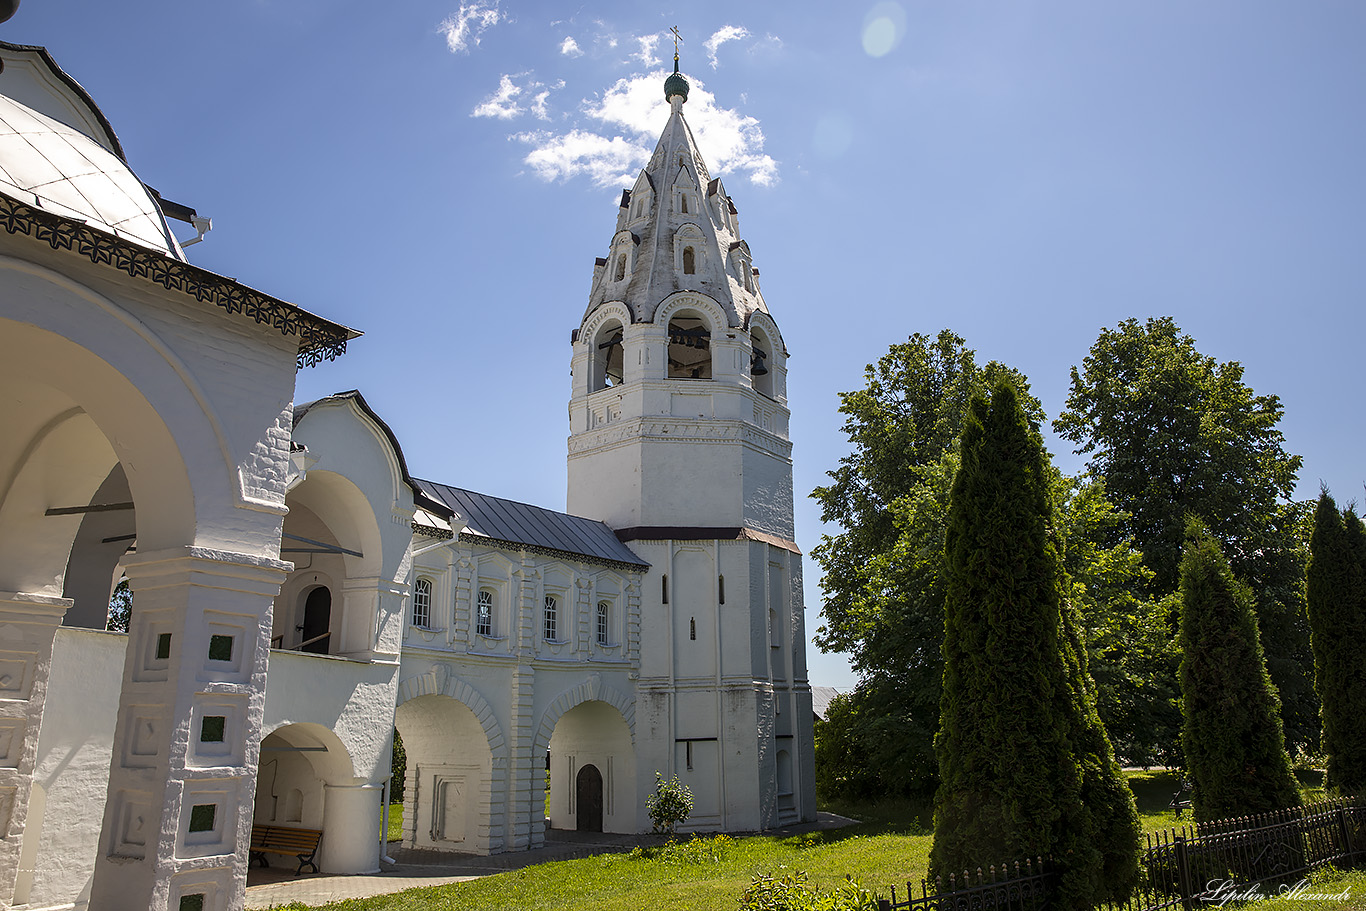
x,y
1025,766
1336,590
1235,752
1174,433
882,586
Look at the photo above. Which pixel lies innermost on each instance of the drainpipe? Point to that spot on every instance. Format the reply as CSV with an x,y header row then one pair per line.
x,y
384,826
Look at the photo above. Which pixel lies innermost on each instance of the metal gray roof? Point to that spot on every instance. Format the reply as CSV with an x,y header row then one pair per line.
x,y
522,524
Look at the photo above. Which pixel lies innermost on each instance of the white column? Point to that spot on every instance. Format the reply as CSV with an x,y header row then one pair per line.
x,y
28,624
187,740
351,815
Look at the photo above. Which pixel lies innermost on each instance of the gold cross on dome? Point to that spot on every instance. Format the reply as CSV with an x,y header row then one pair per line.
x,y
677,38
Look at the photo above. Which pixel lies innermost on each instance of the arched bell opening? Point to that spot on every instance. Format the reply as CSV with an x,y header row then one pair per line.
x,y
689,346
607,358
761,362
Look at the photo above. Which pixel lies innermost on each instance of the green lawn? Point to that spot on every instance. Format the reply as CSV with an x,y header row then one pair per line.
x,y
889,847
395,822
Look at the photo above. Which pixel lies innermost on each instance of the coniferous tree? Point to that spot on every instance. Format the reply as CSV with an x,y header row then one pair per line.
x,y
1020,746
1235,750
1334,584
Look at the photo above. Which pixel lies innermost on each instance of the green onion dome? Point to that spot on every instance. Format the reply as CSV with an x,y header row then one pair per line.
x,y
675,85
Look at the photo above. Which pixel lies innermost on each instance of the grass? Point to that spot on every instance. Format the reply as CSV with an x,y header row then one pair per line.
x,y
693,875
395,822
889,846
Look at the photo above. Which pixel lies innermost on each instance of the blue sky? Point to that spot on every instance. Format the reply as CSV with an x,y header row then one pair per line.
x,y
441,176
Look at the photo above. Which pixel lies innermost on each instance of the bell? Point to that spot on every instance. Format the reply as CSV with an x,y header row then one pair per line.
x,y
756,364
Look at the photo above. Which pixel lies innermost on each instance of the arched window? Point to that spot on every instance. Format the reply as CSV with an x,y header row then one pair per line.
x,y
604,623
483,619
621,268
422,604
689,261
552,619
689,347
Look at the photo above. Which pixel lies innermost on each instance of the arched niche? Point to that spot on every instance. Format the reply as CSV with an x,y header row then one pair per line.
x,y
448,803
332,536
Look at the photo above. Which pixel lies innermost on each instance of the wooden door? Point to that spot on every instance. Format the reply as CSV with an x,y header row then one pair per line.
x,y
588,799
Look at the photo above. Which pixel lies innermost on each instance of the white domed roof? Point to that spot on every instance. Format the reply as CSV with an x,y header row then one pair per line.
x,y
69,174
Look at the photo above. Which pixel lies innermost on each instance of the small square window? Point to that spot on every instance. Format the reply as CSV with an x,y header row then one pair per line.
x,y
211,728
202,817
193,902
220,648
163,646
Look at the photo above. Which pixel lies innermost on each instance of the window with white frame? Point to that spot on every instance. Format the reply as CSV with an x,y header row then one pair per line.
x,y
552,618
604,623
483,618
422,604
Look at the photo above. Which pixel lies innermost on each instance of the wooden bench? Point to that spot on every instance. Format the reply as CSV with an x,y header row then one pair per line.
x,y
1181,800
286,840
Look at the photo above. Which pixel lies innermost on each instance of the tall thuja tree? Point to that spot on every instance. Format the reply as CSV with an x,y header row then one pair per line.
x,y
1337,619
1235,751
1020,747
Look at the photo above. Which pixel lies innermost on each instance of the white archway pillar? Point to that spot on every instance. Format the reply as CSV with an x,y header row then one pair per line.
x,y
182,779
351,815
28,624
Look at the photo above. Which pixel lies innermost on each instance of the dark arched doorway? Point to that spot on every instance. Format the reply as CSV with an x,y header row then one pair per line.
x,y
317,620
588,799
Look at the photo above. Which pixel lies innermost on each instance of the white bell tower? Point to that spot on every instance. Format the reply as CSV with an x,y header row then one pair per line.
x,y
679,442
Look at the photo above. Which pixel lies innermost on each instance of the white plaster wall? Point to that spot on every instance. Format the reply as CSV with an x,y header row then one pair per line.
x,y
354,699
74,749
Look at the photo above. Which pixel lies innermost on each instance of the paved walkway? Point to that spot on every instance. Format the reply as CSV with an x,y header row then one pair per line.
x,y
275,886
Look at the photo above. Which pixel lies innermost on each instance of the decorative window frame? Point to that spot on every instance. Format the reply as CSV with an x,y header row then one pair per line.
x,y
552,618
690,235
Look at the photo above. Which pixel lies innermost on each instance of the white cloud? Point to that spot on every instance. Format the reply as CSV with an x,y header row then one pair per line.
x,y
500,104
646,54
538,107
720,37
570,48
607,162
469,24
632,113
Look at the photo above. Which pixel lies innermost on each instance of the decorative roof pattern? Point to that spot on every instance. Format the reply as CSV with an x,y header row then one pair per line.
x,y
67,173
533,527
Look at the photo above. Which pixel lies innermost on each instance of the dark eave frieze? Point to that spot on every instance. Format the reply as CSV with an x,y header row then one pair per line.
x,y
319,339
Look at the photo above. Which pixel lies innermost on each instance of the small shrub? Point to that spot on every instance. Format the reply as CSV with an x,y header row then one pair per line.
x,y
670,805
696,850
794,892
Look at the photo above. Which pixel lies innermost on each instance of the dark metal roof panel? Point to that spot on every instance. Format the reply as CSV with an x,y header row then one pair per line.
x,y
534,526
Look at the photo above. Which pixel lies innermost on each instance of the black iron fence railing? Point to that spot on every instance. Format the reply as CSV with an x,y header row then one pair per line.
x,y
1187,867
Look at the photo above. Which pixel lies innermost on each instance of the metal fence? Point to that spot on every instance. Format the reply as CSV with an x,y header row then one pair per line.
x,y
1207,863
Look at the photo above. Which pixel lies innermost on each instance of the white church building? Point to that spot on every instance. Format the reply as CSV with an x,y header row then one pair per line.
x,y
298,594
